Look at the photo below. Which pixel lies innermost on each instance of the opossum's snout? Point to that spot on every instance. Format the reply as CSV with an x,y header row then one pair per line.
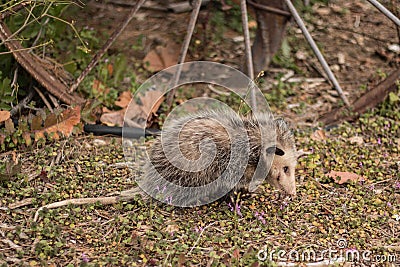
x,y
282,173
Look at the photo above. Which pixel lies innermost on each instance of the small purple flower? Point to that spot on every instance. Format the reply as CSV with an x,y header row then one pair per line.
x,y
389,204
360,164
198,229
379,141
283,205
84,258
371,187
260,217
237,210
230,206
397,185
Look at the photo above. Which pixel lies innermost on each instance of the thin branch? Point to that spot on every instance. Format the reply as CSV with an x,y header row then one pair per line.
x,y
47,103
385,11
249,57
22,103
184,49
13,9
315,48
106,46
27,49
198,239
73,28
28,62
38,35
123,196
245,27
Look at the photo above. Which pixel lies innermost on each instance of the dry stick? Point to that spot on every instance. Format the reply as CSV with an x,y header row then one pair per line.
x,y
106,46
198,239
22,104
184,49
13,10
47,103
249,57
123,196
314,47
28,62
245,26
385,11
368,100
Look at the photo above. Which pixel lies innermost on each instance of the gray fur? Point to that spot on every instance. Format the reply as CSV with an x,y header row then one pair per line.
x,y
201,134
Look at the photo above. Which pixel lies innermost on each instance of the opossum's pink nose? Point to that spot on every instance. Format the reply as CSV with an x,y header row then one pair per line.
x,y
292,192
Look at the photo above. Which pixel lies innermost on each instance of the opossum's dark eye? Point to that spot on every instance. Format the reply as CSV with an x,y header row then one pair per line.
x,y
286,169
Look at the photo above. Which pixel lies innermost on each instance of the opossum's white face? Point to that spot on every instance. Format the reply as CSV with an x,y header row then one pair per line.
x,y
282,172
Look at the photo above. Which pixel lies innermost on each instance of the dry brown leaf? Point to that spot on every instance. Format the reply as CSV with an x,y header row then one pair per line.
x,y
9,125
36,123
181,260
154,61
151,101
252,24
51,119
4,115
162,57
110,69
236,254
27,137
343,177
318,135
113,118
99,87
124,99
66,122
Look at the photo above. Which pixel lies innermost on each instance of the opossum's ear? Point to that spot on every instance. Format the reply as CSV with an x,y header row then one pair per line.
x,y
275,150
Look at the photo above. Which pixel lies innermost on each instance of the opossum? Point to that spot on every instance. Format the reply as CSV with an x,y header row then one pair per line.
x,y
175,164
264,149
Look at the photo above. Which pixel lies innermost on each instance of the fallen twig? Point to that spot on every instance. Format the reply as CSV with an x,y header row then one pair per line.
x,y
127,195
18,204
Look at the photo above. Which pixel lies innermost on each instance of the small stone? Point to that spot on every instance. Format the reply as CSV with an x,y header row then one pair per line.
x,y
301,55
99,142
341,58
356,140
335,67
394,48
